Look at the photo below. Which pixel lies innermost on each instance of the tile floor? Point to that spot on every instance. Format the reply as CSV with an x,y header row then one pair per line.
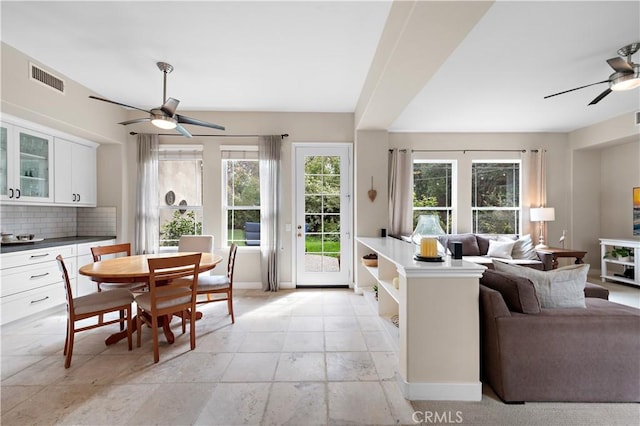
x,y
298,357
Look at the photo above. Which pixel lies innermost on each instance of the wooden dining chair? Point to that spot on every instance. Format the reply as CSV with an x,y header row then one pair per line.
x,y
168,295
213,285
92,305
116,249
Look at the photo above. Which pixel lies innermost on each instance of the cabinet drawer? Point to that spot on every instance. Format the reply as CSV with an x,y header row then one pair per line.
x,y
31,302
32,257
25,278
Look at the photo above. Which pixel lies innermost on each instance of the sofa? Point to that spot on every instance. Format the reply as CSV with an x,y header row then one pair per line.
x,y
478,248
530,353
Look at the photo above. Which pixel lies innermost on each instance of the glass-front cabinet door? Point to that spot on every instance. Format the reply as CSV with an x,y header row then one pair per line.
x,y
26,165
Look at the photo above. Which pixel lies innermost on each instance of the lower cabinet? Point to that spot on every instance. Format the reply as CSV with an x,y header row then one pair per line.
x,y
32,282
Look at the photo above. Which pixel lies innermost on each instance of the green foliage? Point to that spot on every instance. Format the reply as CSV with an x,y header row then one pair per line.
x,y
180,224
616,252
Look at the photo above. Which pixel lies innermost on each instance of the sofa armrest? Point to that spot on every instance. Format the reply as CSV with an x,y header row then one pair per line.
x,y
492,305
547,260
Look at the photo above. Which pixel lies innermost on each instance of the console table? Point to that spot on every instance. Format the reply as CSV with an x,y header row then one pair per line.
x,y
437,306
561,252
608,265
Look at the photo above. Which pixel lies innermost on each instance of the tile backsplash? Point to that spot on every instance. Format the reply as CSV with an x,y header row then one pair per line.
x,y
58,222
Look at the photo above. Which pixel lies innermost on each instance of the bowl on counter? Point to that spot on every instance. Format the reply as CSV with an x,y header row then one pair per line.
x,y
7,237
25,237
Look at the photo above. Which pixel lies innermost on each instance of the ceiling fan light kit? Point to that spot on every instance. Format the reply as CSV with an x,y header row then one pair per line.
x,y
625,77
165,117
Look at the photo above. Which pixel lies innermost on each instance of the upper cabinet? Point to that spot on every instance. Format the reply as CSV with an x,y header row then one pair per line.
x,y
26,172
75,173
45,166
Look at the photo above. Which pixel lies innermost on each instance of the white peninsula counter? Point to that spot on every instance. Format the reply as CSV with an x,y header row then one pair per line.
x,y
437,306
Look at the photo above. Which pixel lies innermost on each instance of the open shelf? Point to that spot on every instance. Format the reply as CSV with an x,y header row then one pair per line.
x,y
391,290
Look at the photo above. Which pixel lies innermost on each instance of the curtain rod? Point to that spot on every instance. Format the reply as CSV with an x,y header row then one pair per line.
x,y
283,135
466,150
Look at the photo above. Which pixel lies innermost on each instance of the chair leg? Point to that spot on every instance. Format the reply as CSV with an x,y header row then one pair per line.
x,y
230,306
154,330
192,329
71,332
139,326
129,337
122,320
184,315
66,339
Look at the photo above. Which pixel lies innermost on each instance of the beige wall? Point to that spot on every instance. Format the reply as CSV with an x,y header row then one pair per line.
x,y
585,167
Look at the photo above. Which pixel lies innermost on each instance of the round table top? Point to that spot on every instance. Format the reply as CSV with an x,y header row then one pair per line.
x,y
136,268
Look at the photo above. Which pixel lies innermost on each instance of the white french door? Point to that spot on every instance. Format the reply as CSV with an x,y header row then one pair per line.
x,y
322,228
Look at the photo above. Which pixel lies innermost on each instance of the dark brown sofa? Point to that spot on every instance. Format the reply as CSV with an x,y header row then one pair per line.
x,y
530,353
476,246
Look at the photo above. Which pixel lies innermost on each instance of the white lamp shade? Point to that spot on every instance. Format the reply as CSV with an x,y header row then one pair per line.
x,y
543,214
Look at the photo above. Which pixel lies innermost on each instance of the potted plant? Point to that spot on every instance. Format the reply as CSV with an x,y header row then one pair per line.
x,y
623,254
375,290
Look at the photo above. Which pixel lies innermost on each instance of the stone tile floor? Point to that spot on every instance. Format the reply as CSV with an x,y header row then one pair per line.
x,y
299,357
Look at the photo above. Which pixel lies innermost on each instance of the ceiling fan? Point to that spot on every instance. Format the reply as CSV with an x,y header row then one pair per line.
x,y
625,77
165,116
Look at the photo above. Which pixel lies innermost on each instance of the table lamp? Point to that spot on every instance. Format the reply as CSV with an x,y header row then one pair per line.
x,y
542,215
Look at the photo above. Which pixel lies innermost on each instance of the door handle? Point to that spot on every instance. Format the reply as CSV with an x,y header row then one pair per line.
x,y
10,192
73,197
18,193
78,197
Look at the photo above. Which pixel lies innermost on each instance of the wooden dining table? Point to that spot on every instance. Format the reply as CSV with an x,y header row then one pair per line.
x,y
128,269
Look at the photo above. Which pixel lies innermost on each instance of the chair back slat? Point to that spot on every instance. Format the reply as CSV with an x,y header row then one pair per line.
x,y
98,252
232,262
164,272
67,284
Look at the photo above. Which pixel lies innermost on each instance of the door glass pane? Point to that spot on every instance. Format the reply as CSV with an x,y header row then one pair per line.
x,y
34,166
322,213
3,161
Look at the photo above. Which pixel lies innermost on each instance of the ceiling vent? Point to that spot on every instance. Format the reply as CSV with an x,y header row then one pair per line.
x,y
48,79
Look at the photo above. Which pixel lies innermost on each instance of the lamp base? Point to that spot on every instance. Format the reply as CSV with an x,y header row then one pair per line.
x,y
542,246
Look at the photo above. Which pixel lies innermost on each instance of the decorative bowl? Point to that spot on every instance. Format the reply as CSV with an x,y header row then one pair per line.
x,y
370,260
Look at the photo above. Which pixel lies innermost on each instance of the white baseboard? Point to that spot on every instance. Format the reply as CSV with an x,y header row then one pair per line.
x,y
441,391
254,285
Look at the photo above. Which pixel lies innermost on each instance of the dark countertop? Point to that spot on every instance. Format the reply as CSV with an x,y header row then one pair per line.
x,y
51,242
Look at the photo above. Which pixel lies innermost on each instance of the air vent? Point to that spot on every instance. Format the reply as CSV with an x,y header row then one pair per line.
x,y
637,118
49,80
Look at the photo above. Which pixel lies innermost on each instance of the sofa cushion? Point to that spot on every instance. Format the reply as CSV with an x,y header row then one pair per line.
x,y
500,248
524,249
469,243
558,288
518,292
483,243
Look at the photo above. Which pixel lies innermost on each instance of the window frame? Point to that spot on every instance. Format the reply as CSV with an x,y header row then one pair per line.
x,y
235,153
451,210
168,152
517,209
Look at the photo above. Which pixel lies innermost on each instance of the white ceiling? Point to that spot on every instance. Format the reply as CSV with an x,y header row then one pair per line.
x,y
315,56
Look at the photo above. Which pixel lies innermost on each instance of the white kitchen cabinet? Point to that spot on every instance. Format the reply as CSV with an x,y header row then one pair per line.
x,y
26,165
75,173
32,282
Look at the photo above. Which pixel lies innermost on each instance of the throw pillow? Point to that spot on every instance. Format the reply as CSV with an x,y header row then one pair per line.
x,y
500,248
518,292
524,249
558,288
469,243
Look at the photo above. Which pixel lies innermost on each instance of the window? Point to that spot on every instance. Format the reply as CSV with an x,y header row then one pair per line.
x,y
180,193
241,195
432,190
495,197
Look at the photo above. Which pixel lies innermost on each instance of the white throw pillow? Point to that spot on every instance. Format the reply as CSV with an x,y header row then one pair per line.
x,y
558,288
500,248
524,249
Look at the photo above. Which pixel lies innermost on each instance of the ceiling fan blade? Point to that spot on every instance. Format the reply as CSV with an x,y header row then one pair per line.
x,y
620,65
577,88
137,120
117,103
183,131
600,96
188,120
170,106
